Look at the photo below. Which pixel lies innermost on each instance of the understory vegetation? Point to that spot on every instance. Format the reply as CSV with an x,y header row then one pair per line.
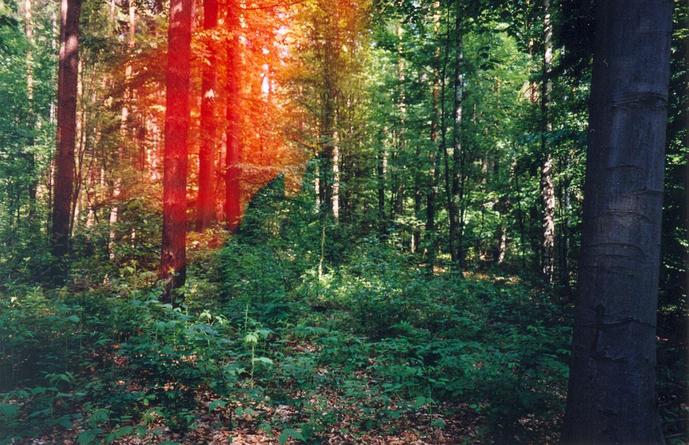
x,y
372,349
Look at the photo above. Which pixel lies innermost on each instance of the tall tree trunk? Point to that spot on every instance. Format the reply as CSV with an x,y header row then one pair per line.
x,y
31,160
233,197
381,157
686,166
68,78
124,132
327,130
173,258
457,165
547,182
437,121
206,199
612,397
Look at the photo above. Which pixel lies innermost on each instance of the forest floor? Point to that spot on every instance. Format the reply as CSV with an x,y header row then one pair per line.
x,y
266,347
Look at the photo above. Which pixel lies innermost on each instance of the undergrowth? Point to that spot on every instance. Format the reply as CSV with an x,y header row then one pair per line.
x,y
265,339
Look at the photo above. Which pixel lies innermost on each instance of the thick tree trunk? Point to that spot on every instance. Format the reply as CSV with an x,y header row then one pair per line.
x,y
233,193
686,166
68,79
547,181
173,258
206,199
612,397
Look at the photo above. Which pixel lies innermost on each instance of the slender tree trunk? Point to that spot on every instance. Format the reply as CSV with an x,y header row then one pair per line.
x,y
437,122
380,173
456,172
547,182
124,133
233,157
68,78
206,199
612,396
327,124
337,171
449,197
80,151
31,160
173,258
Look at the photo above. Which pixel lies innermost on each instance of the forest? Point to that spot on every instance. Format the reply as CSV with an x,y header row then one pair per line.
x,y
344,222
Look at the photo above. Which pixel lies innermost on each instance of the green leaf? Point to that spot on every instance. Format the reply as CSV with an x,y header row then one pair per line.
x,y
218,403
288,434
264,360
88,437
8,411
99,416
119,433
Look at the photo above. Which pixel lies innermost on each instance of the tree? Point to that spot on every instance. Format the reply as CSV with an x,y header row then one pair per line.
x,y
173,258
206,199
233,196
68,74
612,396
547,180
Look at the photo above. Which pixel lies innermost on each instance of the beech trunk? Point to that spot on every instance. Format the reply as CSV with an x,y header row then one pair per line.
x,y
612,396
206,199
68,79
173,259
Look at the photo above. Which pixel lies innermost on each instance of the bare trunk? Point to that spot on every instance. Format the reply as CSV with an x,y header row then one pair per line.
x,y
173,257
456,174
68,78
29,31
380,173
327,136
437,122
206,199
233,197
686,166
547,183
612,396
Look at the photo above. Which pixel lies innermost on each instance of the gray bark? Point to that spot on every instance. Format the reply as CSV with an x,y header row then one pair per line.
x,y
612,397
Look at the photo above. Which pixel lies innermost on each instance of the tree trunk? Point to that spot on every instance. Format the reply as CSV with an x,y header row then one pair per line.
x,y
327,119
206,199
233,203
30,157
612,397
380,179
68,78
547,183
437,121
457,153
686,166
173,258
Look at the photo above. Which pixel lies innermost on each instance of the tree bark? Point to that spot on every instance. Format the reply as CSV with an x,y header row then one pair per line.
x,y
233,204
206,199
547,182
437,121
68,78
612,397
456,174
327,124
686,166
173,258
380,182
